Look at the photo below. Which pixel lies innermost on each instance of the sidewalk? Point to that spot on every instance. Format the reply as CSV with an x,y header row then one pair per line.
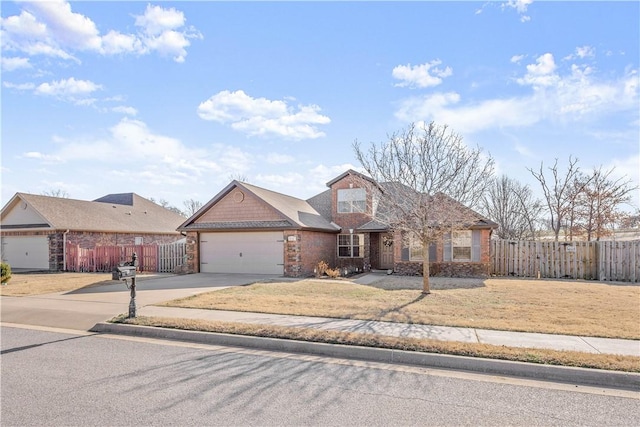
x,y
443,333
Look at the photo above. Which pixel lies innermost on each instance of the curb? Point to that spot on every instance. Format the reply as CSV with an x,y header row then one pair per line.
x,y
565,374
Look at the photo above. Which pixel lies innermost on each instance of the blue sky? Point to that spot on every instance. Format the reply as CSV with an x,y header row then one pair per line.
x,y
171,99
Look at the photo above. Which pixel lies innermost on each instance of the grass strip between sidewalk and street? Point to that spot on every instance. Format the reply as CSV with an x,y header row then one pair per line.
x,y
550,357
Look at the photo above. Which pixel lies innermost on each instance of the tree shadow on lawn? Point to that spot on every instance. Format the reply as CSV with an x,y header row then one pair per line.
x,y
392,283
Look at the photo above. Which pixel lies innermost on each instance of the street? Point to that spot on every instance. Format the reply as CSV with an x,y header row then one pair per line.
x,y
76,378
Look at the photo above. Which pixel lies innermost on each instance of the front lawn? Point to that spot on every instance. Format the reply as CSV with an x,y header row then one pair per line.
x,y
546,306
46,283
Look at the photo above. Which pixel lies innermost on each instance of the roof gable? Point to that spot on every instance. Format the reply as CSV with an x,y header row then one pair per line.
x,y
141,216
254,206
351,172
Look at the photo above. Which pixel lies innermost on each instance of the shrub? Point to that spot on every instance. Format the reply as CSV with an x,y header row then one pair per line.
x,y
6,273
333,273
321,268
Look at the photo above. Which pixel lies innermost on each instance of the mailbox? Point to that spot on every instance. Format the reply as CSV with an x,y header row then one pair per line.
x,y
123,272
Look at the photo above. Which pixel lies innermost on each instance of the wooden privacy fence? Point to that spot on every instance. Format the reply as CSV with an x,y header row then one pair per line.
x,y
151,258
603,260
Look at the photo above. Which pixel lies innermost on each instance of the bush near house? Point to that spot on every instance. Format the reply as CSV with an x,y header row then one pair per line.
x,y
6,273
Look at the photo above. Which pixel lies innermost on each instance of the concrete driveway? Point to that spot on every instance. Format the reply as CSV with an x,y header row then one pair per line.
x,y
83,308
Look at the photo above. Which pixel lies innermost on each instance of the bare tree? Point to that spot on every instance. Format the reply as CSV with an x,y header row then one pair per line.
x,y
598,206
513,206
423,171
560,191
239,177
57,192
191,206
165,204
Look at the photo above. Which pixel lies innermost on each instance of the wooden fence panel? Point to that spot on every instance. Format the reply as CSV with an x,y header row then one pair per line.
x,y
171,256
106,258
619,261
603,260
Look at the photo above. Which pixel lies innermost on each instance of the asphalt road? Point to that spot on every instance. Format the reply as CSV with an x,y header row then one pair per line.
x,y
55,378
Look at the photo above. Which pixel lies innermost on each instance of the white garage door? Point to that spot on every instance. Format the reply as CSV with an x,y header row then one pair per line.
x,y
26,252
251,252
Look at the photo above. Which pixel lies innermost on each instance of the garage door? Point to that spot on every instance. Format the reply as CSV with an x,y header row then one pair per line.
x,y
26,252
254,252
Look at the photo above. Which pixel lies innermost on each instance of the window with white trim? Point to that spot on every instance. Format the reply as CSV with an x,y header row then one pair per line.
x,y
352,200
350,245
415,249
461,245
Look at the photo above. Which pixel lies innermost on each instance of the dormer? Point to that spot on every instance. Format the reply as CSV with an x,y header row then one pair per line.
x,y
353,197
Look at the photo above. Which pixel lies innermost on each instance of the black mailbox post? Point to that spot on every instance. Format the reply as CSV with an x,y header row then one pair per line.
x,y
125,272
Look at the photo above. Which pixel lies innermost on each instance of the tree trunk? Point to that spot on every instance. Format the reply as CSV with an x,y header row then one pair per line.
x,y
425,268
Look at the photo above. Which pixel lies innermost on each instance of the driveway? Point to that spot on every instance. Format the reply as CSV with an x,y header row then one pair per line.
x,y
83,308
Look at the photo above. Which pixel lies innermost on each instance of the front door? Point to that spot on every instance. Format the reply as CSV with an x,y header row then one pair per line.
x,y
386,251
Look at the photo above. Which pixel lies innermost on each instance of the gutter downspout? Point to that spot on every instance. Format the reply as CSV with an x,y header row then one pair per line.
x,y
64,251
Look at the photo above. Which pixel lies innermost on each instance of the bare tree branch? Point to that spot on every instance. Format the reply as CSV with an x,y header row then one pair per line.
x,y
423,172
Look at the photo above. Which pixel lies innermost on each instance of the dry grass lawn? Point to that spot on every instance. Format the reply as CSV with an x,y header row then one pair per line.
x,y
546,306
46,283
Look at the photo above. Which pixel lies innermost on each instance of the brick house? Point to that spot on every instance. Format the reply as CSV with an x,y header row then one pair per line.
x,y
249,229
36,229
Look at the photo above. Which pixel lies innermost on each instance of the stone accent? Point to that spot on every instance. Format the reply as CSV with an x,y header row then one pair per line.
x,y
193,253
443,269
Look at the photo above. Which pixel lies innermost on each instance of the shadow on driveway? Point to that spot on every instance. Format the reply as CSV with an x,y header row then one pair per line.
x,y
172,281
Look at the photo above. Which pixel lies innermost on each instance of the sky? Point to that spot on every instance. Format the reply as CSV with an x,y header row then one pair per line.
x,y
173,100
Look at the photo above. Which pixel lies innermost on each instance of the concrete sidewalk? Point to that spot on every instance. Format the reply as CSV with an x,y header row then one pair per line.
x,y
443,333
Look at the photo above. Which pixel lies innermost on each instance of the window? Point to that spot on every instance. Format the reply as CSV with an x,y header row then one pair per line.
x,y
415,249
461,245
352,200
350,245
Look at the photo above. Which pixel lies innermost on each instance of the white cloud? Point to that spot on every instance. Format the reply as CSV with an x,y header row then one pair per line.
x,y
576,94
156,20
424,75
132,151
19,86
542,73
15,63
114,43
261,116
46,158
520,6
51,28
582,52
517,58
66,27
69,88
125,110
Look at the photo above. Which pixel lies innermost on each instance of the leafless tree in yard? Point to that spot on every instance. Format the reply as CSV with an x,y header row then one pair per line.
x,y
513,206
165,204
58,192
191,206
599,202
560,191
422,171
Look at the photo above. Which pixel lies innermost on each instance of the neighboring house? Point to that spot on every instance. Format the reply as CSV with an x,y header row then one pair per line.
x,y
245,228
36,229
